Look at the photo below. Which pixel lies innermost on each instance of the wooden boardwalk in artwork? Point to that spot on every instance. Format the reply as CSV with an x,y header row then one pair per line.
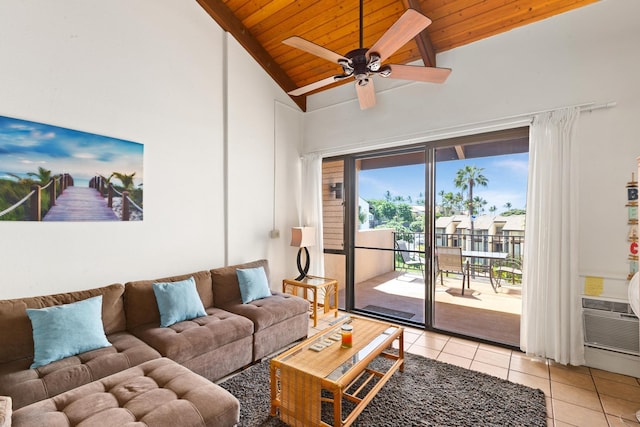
x,y
80,204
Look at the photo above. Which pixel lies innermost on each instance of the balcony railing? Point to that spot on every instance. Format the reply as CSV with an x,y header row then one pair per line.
x,y
512,245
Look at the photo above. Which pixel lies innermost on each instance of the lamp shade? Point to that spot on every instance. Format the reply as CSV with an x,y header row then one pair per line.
x,y
302,237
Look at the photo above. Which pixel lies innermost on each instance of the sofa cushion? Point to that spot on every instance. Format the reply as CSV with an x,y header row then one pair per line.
x,y
178,301
157,393
141,307
253,284
272,310
226,288
27,385
16,342
186,340
65,330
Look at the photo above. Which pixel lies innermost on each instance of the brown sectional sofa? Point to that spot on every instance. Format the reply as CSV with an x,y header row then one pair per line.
x,y
26,385
221,336
143,376
276,319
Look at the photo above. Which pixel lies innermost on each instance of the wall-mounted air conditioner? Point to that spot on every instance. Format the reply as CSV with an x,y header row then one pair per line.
x,y
610,325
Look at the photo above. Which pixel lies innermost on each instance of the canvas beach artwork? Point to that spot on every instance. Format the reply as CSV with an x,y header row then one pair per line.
x,y
50,173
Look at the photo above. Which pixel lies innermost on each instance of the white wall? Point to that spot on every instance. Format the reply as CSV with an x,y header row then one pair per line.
x,y
148,71
586,55
265,138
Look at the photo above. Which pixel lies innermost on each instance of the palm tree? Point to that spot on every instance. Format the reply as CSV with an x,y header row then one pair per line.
x,y
467,178
43,175
441,193
478,204
458,202
126,180
493,209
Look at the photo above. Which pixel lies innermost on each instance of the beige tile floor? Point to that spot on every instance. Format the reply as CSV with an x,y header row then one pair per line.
x,y
576,396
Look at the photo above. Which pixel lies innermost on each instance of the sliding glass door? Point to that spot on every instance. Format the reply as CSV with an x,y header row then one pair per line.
x,y
390,266
411,225
479,205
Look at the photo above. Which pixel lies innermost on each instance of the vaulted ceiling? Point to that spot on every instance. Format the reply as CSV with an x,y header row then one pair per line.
x,y
260,26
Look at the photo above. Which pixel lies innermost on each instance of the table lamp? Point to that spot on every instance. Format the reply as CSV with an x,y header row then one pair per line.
x,y
303,237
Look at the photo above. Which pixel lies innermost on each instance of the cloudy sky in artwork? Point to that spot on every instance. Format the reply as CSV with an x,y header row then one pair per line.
x,y
25,146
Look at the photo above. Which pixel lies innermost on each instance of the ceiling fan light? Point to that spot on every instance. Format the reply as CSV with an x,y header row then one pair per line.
x,y
345,64
374,62
385,71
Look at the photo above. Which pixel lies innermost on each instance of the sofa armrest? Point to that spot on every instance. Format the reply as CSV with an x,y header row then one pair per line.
x,y
5,411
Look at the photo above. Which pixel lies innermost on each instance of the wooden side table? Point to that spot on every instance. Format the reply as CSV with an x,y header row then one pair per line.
x,y
314,284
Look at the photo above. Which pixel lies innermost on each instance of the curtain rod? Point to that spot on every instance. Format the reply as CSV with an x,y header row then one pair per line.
x,y
584,108
454,131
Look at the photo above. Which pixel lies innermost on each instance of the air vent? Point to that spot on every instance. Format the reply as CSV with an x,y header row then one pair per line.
x,y
613,306
610,325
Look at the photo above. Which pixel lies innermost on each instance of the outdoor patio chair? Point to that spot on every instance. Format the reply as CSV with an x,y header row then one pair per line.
x,y
410,259
450,261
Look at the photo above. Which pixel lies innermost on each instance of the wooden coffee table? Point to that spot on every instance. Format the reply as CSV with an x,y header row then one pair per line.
x,y
300,375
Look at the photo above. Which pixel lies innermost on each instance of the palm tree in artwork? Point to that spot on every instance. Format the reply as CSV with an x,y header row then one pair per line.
x,y
466,179
43,175
126,180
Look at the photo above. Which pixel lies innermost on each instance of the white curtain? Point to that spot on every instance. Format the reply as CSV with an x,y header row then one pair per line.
x,y
312,208
551,323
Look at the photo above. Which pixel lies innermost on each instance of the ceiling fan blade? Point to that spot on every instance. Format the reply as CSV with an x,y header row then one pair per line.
x,y
410,24
315,85
366,95
421,74
314,49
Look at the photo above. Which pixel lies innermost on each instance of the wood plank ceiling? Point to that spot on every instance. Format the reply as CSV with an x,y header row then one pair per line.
x,y
261,25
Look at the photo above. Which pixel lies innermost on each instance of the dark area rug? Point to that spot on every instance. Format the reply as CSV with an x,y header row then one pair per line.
x,y
427,393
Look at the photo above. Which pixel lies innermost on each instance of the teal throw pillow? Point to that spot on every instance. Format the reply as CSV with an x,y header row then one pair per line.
x,y
65,330
178,301
253,284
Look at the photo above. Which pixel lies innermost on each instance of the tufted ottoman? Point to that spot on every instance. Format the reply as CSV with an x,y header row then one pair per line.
x,y
156,393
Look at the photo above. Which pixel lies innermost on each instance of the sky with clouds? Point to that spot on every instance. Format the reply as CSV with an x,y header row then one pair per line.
x,y
25,146
506,175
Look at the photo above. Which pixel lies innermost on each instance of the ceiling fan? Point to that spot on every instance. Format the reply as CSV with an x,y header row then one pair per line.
x,y
364,63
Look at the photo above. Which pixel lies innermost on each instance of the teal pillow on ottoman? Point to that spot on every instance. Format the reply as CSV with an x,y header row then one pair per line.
x,y
178,301
253,284
65,330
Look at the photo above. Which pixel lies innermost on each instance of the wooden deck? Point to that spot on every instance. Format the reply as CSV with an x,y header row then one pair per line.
x,y
80,204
